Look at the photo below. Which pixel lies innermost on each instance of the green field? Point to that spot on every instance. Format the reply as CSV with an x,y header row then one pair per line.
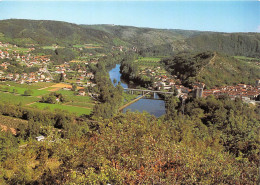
x,y
72,109
79,46
149,59
17,49
20,90
81,104
38,85
148,62
16,99
247,58
81,101
75,104
51,47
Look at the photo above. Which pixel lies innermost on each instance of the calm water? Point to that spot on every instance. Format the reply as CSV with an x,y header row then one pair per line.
x,y
115,74
152,106
155,107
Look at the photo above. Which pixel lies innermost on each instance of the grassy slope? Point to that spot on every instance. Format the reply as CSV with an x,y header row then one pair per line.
x,y
213,69
16,99
76,104
72,109
227,70
11,122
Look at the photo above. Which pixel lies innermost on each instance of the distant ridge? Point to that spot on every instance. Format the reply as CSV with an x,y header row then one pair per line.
x,y
147,40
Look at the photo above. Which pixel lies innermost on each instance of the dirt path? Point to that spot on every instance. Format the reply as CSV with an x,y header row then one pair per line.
x,y
43,88
31,103
78,106
5,129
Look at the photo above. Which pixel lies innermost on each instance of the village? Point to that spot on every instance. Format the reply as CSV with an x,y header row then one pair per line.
x,y
77,72
166,82
38,66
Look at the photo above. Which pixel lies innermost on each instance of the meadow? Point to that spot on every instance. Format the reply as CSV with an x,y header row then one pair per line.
x,y
148,62
79,101
149,59
72,109
21,90
51,47
16,99
38,85
74,103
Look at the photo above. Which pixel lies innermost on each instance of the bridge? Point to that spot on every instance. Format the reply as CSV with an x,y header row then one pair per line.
x,y
144,91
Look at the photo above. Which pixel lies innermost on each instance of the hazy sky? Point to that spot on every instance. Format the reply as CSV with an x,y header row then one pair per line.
x,y
223,16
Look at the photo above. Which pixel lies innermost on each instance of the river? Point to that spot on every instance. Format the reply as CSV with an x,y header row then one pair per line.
x,y
153,106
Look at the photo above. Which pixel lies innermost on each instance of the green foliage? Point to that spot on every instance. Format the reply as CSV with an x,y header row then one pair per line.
x,y
245,44
28,92
129,148
14,99
71,108
236,123
53,98
213,69
130,72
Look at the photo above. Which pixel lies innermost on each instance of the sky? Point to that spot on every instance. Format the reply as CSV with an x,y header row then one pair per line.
x,y
220,16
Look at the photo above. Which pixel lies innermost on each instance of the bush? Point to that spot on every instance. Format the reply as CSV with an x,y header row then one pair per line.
x,y
28,92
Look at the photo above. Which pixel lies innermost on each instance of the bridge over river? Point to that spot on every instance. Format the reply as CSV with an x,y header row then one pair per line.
x,y
144,91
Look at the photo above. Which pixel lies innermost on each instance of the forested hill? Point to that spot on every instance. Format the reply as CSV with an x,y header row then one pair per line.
x,y
214,69
51,32
146,40
246,44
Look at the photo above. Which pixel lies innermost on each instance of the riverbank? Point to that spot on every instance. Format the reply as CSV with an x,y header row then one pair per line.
x,y
155,107
131,102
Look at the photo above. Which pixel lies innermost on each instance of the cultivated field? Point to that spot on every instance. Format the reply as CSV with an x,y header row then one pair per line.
x,y
13,93
148,62
79,101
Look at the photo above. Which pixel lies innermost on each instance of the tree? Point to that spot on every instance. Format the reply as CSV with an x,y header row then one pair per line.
x,y
15,91
62,78
114,81
28,92
74,87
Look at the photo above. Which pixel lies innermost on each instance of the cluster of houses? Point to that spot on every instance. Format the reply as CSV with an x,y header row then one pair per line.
x,y
33,77
83,74
162,81
9,51
242,91
247,93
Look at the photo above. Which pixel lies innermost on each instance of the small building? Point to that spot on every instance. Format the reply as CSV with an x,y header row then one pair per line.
x,y
40,138
82,93
198,92
258,83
